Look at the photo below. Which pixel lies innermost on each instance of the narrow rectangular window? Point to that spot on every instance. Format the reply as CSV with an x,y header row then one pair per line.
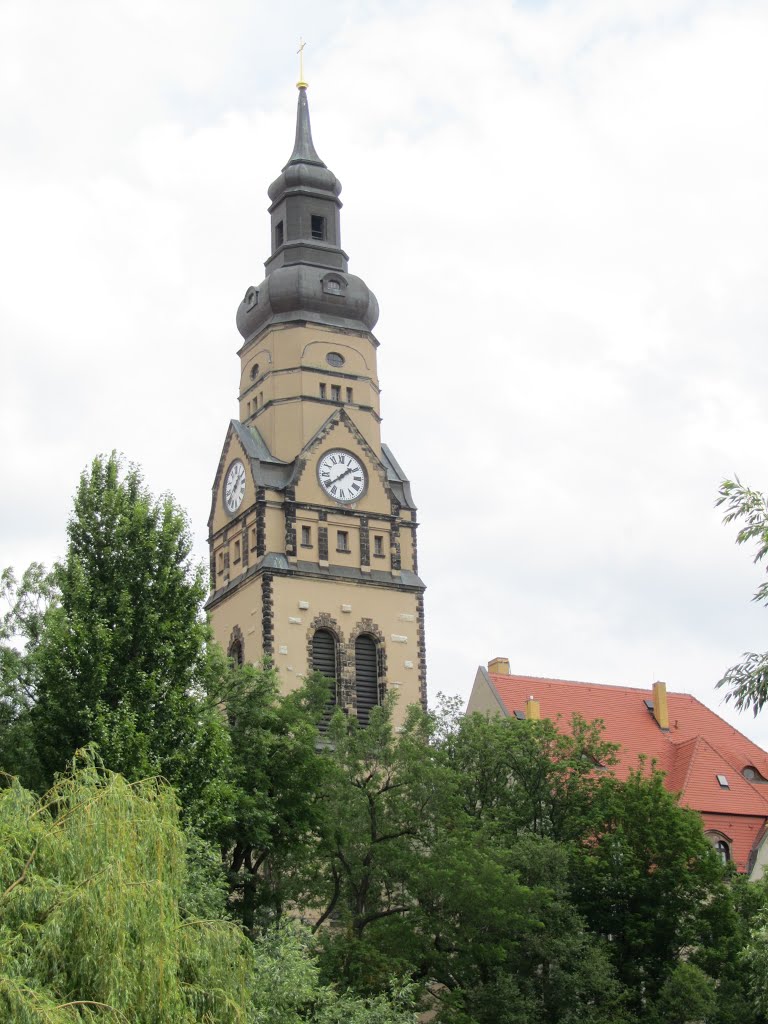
x,y
378,546
322,391
221,561
318,228
335,393
279,234
306,537
237,551
253,538
349,394
342,540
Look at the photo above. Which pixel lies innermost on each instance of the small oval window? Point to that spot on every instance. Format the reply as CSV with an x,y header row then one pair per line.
x,y
335,359
254,371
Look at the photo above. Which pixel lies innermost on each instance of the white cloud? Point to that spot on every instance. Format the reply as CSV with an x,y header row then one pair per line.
x,y
561,208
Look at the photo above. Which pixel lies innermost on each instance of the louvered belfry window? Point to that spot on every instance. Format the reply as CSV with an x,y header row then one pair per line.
x,y
366,677
324,661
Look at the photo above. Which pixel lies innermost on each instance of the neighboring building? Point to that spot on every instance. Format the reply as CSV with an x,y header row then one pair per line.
x,y
312,530
715,769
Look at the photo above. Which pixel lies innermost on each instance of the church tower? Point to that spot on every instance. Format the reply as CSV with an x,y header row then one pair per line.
x,y
312,530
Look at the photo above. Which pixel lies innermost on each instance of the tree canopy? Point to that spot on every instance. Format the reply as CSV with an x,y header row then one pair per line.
x,y
126,659
220,852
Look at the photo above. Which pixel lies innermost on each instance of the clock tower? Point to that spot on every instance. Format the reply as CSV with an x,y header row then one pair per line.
x,y
312,530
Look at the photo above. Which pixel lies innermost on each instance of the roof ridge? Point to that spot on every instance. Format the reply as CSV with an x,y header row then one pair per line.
x,y
570,682
734,731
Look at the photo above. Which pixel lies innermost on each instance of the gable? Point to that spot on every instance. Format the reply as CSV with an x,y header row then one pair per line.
x,y
339,433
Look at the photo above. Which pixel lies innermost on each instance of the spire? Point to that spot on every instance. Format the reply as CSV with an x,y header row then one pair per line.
x,y
307,278
303,148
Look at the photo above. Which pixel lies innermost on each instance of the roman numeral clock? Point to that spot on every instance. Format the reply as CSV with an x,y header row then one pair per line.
x,y
312,532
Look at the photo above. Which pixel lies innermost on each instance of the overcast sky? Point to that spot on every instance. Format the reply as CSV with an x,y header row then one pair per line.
x,y
562,210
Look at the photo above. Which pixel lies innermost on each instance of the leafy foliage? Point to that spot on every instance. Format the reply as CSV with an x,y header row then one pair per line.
x,y
21,626
489,871
277,781
747,682
93,877
642,876
125,659
95,922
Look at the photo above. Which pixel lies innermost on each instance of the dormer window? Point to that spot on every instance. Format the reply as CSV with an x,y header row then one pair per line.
x,y
318,228
279,234
334,284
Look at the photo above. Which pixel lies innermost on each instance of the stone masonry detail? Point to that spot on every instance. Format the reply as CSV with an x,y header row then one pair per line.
x,y
267,615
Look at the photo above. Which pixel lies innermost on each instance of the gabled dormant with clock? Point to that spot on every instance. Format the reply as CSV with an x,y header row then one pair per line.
x,y
313,528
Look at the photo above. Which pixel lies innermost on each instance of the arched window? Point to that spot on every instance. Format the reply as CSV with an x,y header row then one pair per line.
x,y
324,661
723,850
722,845
236,650
366,677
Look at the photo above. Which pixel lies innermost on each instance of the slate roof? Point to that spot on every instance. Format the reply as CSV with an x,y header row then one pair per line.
x,y
698,747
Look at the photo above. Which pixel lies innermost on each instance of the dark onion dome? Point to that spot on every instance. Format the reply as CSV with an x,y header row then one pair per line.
x,y
307,277
302,292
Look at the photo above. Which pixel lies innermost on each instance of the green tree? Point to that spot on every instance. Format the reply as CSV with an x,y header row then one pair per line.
x,y
378,804
433,863
747,682
277,780
642,877
24,603
125,659
687,996
725,926
93,878
527,776
98,921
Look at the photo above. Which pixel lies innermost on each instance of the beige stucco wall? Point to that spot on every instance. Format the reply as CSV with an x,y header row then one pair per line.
x,y
243,609
291,366
282,400
483,699
394,613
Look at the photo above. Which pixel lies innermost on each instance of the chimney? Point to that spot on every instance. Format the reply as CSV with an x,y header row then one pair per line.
x,y
499,666
532,709
660,712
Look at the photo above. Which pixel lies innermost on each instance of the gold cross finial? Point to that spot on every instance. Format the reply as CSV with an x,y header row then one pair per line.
x,y
301,84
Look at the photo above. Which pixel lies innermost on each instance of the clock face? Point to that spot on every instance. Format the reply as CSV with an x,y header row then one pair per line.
x,y
234,487
341,476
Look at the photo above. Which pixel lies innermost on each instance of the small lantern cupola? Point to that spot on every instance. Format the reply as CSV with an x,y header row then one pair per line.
x,y
306,272
305,205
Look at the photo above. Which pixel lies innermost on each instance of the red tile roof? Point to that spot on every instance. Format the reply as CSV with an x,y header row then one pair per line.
x,y
698,747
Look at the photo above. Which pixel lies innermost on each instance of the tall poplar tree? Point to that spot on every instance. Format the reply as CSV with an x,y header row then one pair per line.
x,y
126,659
